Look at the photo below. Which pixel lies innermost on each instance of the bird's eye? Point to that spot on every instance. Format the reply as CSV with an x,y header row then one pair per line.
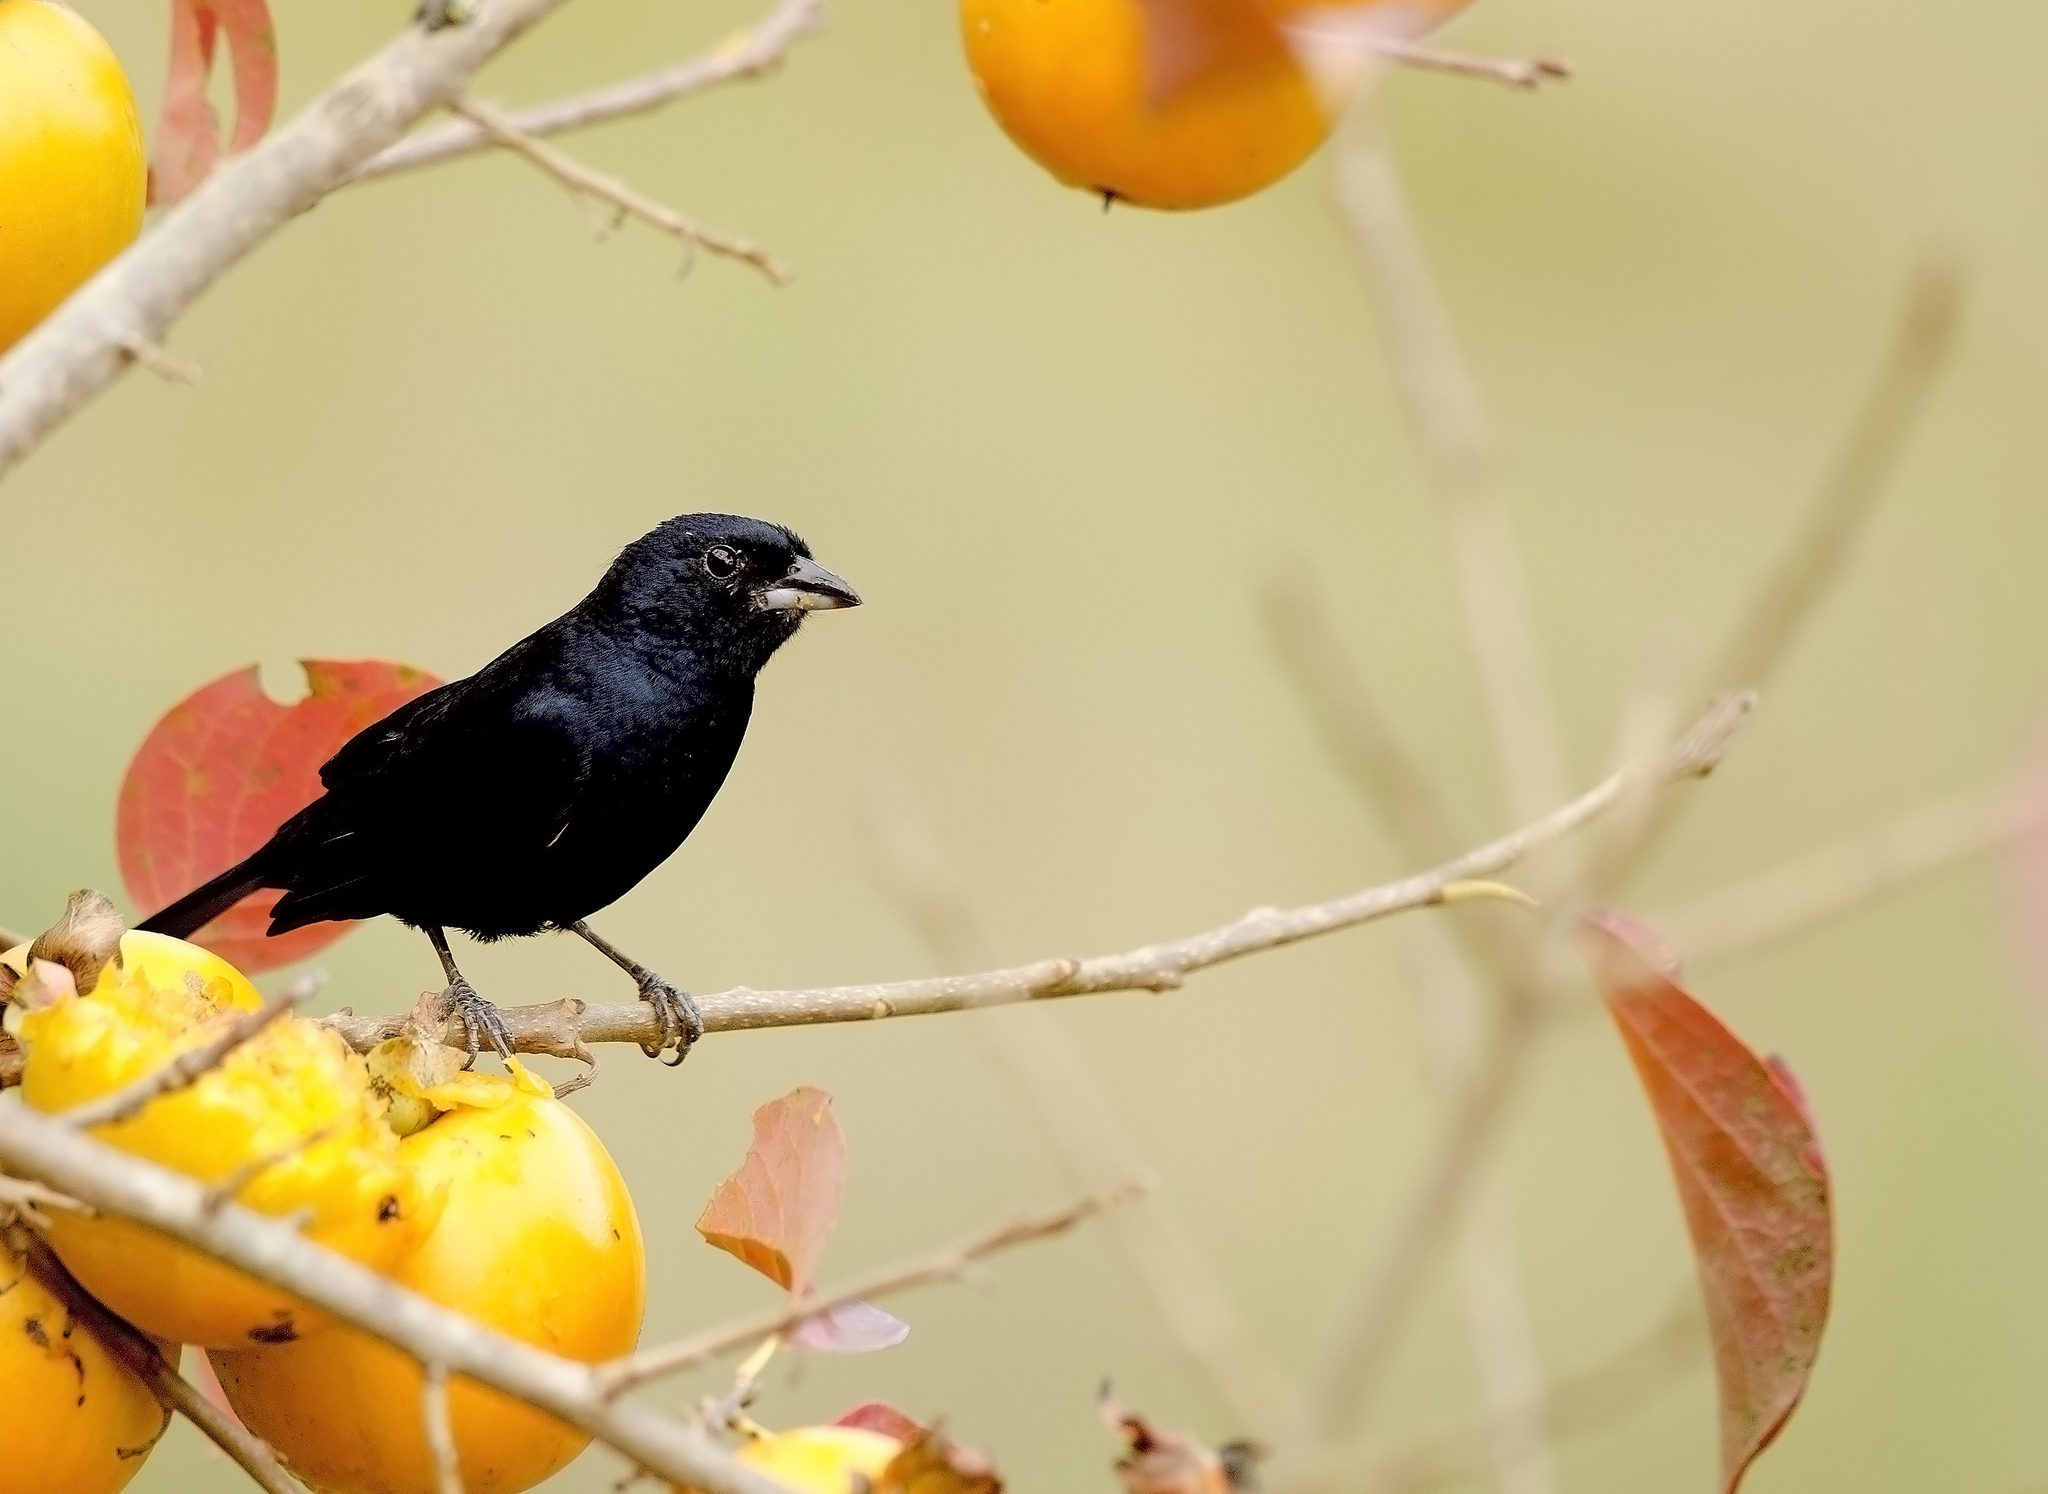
x,y
720,562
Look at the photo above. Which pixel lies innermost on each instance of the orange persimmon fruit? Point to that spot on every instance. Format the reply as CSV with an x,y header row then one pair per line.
x,y
290,1115
1174,103
73,176
538,1240
77,1419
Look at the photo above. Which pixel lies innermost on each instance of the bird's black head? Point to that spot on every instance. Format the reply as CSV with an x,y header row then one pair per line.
x,y
735,589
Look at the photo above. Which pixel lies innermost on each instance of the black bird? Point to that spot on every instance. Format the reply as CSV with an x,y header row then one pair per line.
x,y
544,786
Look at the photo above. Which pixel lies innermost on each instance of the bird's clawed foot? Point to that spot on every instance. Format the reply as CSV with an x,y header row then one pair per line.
x,y
681,1023
477,1015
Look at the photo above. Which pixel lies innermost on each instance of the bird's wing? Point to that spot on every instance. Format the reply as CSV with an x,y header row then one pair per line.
x,y
489,781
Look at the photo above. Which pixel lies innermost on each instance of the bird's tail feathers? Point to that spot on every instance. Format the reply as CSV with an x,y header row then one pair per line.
x,y
206,902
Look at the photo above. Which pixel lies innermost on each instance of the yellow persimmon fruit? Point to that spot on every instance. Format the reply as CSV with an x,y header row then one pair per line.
x,y
72,172
822,1460
290,1113
538,1240
76,1418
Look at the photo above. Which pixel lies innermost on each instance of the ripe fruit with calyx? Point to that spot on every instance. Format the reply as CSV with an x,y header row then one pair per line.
x,y
72,172
287,1124
538,1239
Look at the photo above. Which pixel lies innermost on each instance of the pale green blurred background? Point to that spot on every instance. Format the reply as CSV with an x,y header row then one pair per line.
x,y
1056,449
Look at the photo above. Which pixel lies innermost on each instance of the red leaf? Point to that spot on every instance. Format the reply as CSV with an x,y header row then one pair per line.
x,y
219,773
850,1328
1753,1182
880,1416
188,134
779,1209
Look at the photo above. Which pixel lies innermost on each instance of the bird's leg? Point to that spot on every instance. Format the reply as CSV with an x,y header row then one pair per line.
x,y
472,1009
681,1023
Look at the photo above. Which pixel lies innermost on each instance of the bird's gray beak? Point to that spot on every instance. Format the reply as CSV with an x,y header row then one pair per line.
x,y
807,587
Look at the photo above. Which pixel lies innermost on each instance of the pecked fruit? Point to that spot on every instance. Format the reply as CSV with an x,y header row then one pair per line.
x,y
77,1419
822,1460
291,1111
538,1240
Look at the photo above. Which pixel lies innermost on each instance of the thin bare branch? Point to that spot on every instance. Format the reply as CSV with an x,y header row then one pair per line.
x,y
19,1196
753,53
1847,496
1589,1401
603,187
1353,726
1514,72
1365,1337
87,343
45,1149
171,1389
1862,469
617,1376
1496,1311
440,1430
1053,1083
561,1028
1444,408
1809,890
186,1068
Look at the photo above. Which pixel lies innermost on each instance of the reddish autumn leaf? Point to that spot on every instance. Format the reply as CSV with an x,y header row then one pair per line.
x,y
779,1209
1752,1180
188,132
930,1463
880,1416
222,770
1159,1460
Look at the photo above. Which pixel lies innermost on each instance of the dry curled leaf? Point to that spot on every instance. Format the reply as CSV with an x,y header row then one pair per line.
x,y
1752,1180
778,1211
188,132
931,1463
222,770
1159,1460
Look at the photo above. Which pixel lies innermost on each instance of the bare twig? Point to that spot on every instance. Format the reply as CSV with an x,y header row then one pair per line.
x,y
45,1149
747,54
87,342
26,1200
1811,889
1353,726
1052,1081
1496,1313
1847,496
164,365
186,1068
440,1430
1364,1338
1445,410
618,1376
222,1193
603,187
1862,468
559,1028
1514,72
172,1390
1585,1402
